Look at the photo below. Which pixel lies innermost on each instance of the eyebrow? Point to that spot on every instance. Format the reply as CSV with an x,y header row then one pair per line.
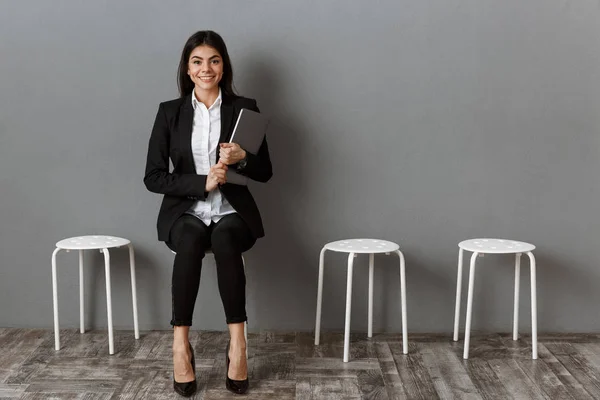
x,y
215,56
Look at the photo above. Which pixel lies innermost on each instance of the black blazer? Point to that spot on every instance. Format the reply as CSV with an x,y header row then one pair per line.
x,y
172,138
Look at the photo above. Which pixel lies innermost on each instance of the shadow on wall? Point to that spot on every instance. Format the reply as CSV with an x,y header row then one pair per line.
x,y
276,277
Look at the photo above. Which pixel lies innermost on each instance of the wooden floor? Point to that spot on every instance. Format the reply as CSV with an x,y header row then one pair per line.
x,y
289,366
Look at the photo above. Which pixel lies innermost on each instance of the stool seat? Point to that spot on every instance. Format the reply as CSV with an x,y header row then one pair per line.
x,y
370,246
496,246
91,242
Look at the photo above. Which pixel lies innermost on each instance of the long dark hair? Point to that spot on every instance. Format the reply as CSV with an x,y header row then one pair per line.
x,y
212,39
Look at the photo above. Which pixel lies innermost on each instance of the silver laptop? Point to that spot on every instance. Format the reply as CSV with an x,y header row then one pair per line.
x,y
249,132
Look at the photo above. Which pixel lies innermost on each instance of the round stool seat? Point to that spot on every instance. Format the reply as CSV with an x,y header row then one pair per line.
x,y
495,246
91,242
370,246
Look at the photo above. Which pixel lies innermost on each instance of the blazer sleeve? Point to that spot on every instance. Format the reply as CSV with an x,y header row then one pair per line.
x,y
258,166
157,178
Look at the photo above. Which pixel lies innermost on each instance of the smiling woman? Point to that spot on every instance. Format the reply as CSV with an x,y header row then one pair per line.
x,y
200,209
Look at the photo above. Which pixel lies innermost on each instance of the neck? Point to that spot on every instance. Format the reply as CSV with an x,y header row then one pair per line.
x,y
206,97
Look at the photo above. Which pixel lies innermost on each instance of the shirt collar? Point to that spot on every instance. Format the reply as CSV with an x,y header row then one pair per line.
x,y
217,102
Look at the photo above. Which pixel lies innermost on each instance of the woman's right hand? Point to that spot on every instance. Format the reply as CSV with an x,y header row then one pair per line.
x,y
216,175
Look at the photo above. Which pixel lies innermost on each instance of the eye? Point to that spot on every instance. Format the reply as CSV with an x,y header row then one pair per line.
x,y
216,62
196,62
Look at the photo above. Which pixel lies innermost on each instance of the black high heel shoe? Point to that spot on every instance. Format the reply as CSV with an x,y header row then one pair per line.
x,y
237,387
186,389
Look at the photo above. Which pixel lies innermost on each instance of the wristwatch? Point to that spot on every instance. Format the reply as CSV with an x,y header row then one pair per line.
x,y
242,163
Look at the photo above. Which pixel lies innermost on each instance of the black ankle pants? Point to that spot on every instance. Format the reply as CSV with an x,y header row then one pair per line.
x,y
228,239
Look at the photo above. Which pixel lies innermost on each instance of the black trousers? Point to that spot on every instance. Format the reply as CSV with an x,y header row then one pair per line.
x,y
228,239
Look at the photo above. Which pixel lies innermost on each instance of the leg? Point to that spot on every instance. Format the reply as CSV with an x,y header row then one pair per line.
x,y
458,293
403,296
182,357
136,328
231,237
516,301
239,367
246,324
348,307
319,297
534,350
55,300
111,341
370,322
189,238
469,305
81,308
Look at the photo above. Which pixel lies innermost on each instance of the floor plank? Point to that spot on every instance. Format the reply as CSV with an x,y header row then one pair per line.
x,y
287,365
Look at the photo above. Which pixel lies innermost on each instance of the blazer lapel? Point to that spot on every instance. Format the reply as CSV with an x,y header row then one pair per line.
x,y
186,120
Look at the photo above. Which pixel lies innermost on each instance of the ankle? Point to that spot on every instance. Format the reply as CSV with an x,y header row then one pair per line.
x,y
181,346
238,346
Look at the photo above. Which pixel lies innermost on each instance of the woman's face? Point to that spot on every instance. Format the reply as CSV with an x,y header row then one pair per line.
x,y
205,68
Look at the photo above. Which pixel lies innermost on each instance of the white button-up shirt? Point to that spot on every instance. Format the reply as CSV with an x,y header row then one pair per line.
x,y
206,131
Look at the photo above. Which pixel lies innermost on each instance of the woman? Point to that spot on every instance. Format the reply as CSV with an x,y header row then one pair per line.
x,y
200,210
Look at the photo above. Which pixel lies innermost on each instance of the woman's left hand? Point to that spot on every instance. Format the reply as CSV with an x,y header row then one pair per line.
x,y
231,153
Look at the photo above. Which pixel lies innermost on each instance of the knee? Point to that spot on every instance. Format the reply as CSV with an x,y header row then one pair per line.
x,y
231,239
191,249
223,243
190,241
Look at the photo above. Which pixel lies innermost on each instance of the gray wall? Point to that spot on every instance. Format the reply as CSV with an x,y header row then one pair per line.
x,y
420,122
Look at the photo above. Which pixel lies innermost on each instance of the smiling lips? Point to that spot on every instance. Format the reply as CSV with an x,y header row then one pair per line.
x,y
206,78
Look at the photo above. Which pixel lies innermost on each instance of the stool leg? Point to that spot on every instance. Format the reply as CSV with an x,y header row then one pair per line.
x,y
458,294
370,322
403,297
348,307
534,350
516,302
81,307
469,305
136,329
55,300
319,297
111,343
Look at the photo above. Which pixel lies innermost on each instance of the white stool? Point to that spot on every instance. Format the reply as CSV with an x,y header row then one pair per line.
x,y
209,251
496,246
354,247
102,243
